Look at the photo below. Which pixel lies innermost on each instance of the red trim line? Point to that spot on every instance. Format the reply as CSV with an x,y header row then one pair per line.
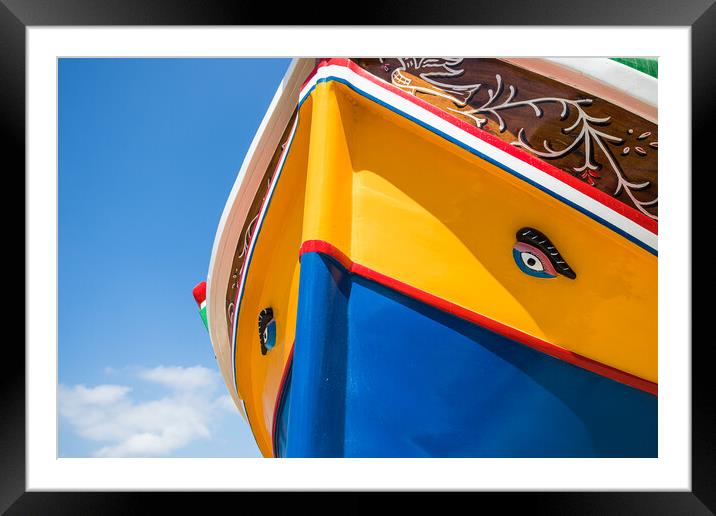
x,y
319,246
279,396
599,196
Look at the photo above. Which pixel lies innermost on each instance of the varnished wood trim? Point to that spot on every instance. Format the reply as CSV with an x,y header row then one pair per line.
x,y
588,84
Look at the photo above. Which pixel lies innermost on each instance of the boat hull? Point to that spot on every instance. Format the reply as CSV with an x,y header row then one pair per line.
x,y
391,242
376,373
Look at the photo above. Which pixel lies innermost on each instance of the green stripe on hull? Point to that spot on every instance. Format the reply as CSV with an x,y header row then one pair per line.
x,y
202,313
647,65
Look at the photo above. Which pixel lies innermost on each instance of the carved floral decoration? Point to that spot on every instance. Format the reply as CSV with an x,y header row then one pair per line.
x,y
587,132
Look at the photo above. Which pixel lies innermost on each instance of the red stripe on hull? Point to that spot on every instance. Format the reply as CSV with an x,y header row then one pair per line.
x,y
199,293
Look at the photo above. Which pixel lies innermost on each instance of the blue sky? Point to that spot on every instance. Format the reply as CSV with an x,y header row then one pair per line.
x,y
148,152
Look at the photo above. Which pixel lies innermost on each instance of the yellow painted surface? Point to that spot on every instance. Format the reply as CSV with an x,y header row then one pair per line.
x,y
399,199
438,218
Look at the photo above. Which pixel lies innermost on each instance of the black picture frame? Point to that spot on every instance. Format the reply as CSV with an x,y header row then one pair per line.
x,y
17,15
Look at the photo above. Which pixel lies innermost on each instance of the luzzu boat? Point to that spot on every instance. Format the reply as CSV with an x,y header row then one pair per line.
x,y
445,257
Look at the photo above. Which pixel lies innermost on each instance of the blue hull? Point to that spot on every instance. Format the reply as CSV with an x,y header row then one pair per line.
x,y
379,374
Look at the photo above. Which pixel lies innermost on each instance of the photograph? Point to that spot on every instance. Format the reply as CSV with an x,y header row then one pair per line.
x,y
390,257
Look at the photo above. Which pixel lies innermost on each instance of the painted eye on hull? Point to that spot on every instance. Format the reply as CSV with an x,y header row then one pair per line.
x,y
267,330
537,256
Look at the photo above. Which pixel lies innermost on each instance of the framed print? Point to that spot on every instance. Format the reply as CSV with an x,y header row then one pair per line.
x,y
411,274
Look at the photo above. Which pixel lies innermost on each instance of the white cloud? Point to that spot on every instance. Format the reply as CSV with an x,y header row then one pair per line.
x,y
125,427
100,395
181,378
